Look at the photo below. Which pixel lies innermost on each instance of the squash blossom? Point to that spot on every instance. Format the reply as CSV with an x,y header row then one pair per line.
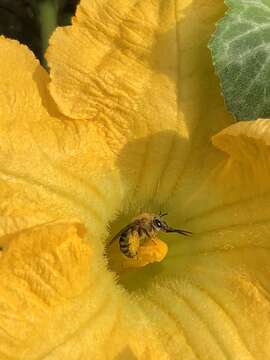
x,y
130,120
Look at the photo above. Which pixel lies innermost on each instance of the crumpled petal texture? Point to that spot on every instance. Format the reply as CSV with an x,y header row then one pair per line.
x,y
44,270
144,77
137,78
47,160
52,297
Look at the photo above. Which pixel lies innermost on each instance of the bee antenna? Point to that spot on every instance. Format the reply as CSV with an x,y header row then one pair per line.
x,y
161,215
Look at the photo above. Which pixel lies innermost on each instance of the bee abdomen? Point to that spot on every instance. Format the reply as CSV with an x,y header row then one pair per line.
x,y
124,246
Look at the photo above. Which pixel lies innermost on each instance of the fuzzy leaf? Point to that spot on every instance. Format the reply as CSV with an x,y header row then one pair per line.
x,y
240,49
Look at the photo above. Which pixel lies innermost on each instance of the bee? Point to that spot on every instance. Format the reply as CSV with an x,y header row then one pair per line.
x,y
139,229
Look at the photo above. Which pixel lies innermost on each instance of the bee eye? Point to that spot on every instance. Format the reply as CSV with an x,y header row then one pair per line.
x,y
157,223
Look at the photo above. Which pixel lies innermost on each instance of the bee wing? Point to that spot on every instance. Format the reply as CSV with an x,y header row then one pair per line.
x,y
132,226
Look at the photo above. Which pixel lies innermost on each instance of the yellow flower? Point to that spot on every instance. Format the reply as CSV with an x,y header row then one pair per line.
x,y
127,128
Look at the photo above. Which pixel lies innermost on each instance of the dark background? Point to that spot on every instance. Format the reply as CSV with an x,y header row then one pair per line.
x,y
19,19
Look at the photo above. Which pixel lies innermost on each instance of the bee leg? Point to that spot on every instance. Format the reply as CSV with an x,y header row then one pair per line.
x,y
146,232
140,232
149,236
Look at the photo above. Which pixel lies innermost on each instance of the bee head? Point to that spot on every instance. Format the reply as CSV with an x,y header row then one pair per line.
x,y
160,225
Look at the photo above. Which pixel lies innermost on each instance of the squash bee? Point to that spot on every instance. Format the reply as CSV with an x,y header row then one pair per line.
x,y
140,228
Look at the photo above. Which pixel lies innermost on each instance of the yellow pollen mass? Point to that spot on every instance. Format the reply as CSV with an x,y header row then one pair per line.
x,y
153,250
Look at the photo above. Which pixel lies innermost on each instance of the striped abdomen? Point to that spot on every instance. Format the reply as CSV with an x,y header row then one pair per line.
x,y
129,243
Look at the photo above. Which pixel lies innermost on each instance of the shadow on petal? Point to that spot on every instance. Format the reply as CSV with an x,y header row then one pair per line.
x,y
126,354
151,166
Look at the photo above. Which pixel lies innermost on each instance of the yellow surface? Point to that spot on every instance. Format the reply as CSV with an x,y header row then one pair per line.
x,y
134,103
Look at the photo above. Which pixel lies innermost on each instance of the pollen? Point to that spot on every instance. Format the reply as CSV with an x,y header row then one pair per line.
x,y
153,250
134,242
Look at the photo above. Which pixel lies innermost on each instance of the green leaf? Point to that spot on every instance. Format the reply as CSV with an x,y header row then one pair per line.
x,y
241,55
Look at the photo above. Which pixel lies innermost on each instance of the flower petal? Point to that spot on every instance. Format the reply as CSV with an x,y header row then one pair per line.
x,y
49,166
54,288
55,304
221,285
212,289
213,279
144,74
44,270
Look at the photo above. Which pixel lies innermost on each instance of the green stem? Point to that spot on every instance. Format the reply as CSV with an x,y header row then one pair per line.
x,y
47,11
